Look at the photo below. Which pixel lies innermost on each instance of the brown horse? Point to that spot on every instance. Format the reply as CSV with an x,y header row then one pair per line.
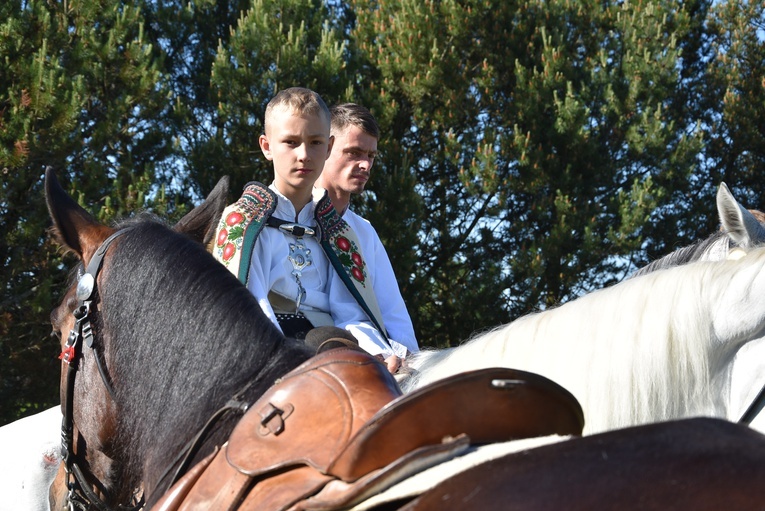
x,y
166,349
140,372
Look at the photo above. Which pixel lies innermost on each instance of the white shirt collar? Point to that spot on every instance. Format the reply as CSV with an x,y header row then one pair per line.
x,y
286,210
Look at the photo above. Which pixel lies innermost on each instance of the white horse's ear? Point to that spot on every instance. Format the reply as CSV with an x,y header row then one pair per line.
x,y
737,221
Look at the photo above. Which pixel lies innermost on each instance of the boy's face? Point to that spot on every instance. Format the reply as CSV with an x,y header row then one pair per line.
x,y
298,144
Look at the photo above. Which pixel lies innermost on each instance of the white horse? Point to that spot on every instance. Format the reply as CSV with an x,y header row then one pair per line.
x,y
742,230
31,456
657,346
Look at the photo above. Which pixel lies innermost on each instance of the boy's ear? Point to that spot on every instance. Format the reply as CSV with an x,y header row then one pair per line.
x,y
265,146
331,143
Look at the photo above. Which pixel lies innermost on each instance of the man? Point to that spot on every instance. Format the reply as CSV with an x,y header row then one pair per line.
x,y
346,172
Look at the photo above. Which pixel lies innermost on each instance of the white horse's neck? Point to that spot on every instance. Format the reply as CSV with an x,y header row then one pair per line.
x,y
653,348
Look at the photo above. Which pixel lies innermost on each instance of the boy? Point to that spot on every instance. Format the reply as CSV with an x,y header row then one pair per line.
x,y
288,244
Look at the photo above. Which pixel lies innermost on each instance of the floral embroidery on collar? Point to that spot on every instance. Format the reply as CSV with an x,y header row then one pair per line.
x,y
351,259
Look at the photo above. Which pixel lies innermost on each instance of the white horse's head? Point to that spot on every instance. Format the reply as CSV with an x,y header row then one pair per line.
x,y
746,230
741,230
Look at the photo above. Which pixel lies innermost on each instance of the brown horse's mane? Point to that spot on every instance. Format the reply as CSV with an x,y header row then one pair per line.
x,y
182,335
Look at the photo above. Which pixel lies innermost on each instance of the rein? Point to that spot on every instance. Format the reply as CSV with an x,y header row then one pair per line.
x,y
81,496
754,409
235,404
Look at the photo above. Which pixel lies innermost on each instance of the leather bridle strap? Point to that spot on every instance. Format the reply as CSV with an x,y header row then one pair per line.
x,y
235,404
80,494
754,409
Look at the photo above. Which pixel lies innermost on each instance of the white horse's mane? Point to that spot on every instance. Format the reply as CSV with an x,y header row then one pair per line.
x,y
640,351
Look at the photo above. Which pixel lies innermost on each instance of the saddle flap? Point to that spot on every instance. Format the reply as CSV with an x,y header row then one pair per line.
x,y
488,405
309,415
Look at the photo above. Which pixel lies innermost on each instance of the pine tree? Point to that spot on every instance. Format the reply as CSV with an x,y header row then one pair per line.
x,y
734,102
189,35
274,45
79,91
542,140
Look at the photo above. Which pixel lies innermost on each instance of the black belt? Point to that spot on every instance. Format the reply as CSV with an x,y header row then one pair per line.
x,y
294,325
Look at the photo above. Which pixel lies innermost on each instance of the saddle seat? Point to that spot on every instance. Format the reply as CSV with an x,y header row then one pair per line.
x,y
337,428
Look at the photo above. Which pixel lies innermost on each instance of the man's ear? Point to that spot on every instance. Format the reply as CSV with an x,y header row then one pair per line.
x,y
265,146
331,143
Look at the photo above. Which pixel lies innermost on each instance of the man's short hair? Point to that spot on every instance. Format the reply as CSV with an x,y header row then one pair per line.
x,y
297,99
351,114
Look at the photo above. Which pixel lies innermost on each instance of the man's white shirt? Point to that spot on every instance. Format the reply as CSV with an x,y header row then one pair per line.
x,y
392,307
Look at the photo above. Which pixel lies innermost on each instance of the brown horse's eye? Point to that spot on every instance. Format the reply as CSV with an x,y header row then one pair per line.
x,y
56,333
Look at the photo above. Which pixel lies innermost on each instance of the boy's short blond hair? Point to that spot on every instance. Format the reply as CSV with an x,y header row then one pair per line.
x,y
300,100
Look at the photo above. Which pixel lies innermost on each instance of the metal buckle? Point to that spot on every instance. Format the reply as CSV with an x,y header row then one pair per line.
x,y
272,418
297,230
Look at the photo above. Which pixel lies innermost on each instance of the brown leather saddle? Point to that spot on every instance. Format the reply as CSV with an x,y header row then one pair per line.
x,y
337,429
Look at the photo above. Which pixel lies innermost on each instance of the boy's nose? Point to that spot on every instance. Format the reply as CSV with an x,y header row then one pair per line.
x,y
302,152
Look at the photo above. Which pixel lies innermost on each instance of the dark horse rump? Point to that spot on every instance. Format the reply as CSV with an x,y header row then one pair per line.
x,y
693,464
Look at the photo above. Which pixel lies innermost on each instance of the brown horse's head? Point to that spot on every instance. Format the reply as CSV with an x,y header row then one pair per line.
x,y
87,397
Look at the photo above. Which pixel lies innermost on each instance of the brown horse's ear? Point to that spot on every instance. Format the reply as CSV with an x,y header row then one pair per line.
x,y
73,227
200,223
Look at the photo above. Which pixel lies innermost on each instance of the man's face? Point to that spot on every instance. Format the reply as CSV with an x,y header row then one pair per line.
x,y
348,167
298,145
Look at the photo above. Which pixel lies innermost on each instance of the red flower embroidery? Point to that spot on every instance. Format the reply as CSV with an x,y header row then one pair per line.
x,y
343,243
357,274
357,260
234,218
222,237
228,251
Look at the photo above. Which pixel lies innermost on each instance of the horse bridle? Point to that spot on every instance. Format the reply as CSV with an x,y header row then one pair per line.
x,y
754,409
81,495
